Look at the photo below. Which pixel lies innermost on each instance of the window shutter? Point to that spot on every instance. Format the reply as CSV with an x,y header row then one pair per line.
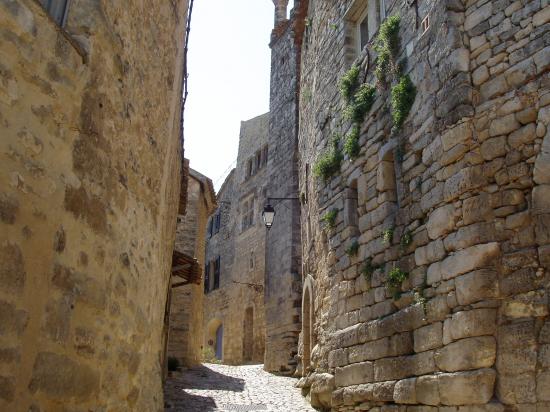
x,y
207,278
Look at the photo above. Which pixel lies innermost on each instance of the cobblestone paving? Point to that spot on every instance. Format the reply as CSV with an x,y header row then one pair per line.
x,y
232,388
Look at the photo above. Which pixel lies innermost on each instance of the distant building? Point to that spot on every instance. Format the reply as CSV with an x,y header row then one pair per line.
x,y
186,324
234,312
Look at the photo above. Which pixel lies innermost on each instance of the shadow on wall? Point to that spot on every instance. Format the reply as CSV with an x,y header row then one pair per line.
x,y
202,377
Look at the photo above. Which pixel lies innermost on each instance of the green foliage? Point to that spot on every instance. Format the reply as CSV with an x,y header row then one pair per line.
x,y
329,218
420,299
406,239
328,164
395,279
387,235
402,99
173,364
368,269
387,47
349,83
351,145
353,249
360,104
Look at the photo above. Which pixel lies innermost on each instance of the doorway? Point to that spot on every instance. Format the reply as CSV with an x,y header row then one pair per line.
x,y
248,335
219,342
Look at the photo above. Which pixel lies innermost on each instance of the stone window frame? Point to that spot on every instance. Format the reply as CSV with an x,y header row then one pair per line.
x,y
374,12
247,213
58,10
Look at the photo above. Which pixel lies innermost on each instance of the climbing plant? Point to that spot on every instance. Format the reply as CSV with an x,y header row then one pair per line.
x,y
328,164
403,91
353,249
396,276
349,83
387,235
351,144
329,218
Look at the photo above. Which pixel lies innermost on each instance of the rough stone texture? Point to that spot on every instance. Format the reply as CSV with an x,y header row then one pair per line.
x,y
185,337
468,210
90,160
241,249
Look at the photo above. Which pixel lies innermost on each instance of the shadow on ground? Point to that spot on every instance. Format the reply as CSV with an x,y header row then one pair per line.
x,y
202,377
198,378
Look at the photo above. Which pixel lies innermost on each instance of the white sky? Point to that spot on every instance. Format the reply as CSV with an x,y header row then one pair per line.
x,y
229,70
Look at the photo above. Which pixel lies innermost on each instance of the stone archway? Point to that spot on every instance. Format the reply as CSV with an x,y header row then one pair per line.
x,y
214,339
308,298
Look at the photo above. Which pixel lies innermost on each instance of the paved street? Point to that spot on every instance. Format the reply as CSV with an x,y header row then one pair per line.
x,y
233,388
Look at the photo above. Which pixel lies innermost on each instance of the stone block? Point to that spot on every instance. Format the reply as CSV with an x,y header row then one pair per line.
x,y
401,344
370,351
12,269
461,133
395,368
428,337
12,320
477,16
467,388
441,221
354,374
543,386
466,179
475,286
430,253
404,391
517,360
7,388
427,390
476,209
385,177
408,319
62,378
522,136
465,261
517,388
475,322
437,309
423,363
494,147
467,354
383,391
338,357
541,199
504,125
466,236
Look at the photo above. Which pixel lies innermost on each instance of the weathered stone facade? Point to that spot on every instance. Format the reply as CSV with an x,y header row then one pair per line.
x,y
283,252
90,154
458,200
186,303
235,301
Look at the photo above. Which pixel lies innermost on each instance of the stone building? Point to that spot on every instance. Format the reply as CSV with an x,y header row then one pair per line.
x,y
234,313
426,242
186,325
90,159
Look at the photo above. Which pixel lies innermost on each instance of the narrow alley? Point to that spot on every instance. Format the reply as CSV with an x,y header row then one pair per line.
x,y
212,387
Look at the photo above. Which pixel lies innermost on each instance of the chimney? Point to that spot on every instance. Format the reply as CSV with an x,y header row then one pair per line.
x,y
280,11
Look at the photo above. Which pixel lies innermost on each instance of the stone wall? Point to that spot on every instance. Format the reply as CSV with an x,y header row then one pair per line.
x,y
282,253
186,317
89,172
458,199
242,253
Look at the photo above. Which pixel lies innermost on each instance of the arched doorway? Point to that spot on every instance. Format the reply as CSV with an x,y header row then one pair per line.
x,y
214,340
307,323
248,335
219,342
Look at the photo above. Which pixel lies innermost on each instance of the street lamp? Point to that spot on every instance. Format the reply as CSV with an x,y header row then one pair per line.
x,y
268,214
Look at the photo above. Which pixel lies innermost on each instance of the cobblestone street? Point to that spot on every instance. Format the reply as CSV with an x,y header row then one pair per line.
x,y
232,388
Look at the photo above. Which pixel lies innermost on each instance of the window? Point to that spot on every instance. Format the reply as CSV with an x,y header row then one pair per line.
x,y
57,9
210,226
248,168
248,214
259,160
216,273
206,278
363,19
217,223
264,156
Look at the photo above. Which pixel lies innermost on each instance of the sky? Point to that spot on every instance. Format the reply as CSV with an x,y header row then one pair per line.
x,y
228,65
